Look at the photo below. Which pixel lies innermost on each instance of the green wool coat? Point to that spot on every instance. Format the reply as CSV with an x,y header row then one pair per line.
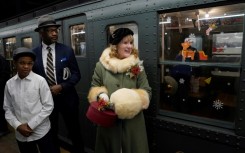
x,y
127,135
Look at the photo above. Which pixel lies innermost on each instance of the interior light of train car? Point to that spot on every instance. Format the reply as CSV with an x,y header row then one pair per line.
x,y
220,17
80,32
167,21
206,15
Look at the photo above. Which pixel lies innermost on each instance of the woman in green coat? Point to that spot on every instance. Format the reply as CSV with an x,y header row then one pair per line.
x,y
119,78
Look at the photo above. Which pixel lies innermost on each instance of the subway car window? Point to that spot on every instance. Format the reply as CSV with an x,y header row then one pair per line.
x,y
131,26
9,45
27,42
201,61
78,41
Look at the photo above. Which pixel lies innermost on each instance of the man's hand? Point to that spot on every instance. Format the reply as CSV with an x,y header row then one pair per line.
x,y
55,89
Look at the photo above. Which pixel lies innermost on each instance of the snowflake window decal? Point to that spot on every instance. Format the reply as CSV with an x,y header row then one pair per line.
x,y
217,104
181,81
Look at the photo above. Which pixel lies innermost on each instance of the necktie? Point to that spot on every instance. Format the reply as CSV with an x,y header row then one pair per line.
x,y
50,67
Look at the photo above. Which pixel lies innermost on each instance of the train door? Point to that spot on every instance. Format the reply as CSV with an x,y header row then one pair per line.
x,y
74,30
143,41
74,35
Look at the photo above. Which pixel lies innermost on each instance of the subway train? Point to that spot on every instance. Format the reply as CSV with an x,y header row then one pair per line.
x,y
193,53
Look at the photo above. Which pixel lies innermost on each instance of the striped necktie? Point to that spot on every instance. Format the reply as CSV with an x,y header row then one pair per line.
x,y
50,67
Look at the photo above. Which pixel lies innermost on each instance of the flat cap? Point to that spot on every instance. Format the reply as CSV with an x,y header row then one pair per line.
x,y
23,51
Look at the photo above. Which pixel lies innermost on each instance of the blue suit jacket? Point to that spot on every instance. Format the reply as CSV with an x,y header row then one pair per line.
x,y
64,58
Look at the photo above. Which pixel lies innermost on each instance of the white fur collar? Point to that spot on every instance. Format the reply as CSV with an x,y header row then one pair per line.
x,y
116,65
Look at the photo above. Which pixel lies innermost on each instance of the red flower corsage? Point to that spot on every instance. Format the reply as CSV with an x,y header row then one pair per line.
x,y
134,70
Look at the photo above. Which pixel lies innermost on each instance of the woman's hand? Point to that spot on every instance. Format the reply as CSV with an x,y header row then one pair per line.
x,y
104,96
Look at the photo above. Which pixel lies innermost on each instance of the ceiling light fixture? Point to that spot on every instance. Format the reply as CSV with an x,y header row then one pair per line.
x,y
80,32
218,17
167,21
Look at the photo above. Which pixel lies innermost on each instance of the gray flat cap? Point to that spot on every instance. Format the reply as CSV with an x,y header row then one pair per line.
x,y
23,51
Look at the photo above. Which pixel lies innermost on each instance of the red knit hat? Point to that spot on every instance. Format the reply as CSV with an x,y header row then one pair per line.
x,y
104,118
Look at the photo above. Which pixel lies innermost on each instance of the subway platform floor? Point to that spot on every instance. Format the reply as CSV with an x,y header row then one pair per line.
x,y
8,144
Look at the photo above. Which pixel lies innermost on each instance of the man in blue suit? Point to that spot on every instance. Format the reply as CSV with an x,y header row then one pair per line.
x,y
66,76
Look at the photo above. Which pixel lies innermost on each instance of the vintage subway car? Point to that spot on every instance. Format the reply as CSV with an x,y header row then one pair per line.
x,y
193,52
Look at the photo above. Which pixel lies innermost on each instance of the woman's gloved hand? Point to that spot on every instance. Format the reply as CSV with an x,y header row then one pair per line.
x,y
104,96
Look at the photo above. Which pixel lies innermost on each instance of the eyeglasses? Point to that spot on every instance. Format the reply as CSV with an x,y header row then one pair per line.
x,y
52,30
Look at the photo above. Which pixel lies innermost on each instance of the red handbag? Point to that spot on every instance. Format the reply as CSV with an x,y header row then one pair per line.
x,y
105,118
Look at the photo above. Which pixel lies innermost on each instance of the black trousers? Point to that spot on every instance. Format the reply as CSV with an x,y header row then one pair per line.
x,y
69,110
44,145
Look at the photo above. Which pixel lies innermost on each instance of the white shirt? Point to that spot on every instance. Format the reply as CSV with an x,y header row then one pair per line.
x,y
44,56
30,101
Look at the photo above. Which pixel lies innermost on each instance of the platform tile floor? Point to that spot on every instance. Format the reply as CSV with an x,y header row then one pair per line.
x,y
8,144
